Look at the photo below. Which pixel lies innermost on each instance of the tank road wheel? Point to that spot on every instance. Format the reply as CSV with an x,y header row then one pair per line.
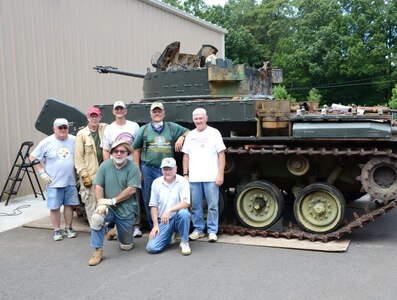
x,y
319,208
259,204
379,178
298,165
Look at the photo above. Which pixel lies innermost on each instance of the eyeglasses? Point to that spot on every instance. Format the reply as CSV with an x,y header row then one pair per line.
x,y
64,127
119,151
94,116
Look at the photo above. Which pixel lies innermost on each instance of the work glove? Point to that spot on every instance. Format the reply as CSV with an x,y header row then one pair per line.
x,y
86,180
104,201
98,217
44,176
101,209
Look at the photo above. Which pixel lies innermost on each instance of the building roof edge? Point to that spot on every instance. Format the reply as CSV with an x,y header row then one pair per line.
x,y
182,14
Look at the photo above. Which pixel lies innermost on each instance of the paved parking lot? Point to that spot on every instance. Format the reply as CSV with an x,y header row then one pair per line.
x,y
35,267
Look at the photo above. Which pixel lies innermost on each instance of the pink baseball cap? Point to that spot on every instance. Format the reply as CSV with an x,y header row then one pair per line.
x,y
94,110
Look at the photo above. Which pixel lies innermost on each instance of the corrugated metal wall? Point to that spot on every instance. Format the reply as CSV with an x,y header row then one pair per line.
x,y
48,49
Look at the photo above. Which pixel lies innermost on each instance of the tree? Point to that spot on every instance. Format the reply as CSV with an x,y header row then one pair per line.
x,y
344,48
393,100
280,93
314,95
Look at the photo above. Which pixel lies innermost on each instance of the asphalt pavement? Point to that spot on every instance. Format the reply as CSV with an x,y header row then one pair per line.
x,y
33,266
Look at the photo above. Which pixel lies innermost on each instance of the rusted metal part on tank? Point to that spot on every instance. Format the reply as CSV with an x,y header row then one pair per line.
x,y
358,222
257,149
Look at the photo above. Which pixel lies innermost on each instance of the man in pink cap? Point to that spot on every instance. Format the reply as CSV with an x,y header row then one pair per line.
x,y
88,157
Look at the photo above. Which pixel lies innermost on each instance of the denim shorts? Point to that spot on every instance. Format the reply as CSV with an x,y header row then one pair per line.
x,y
56,197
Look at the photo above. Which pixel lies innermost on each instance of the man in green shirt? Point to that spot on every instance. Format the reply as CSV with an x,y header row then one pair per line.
x,y
154,142
116,183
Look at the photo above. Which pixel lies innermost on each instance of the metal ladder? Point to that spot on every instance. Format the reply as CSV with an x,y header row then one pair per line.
x,y
21,166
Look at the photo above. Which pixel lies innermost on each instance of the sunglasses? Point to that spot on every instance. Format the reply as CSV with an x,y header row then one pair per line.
x,y
63,127
119,151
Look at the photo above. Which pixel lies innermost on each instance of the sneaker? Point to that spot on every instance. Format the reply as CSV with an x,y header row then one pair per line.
x,y
58,235
212,237
70,233
195,235
185,248
137,232
96,257
112,234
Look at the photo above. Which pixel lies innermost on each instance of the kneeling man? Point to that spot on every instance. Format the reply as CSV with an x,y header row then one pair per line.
x,y
116,183
169,202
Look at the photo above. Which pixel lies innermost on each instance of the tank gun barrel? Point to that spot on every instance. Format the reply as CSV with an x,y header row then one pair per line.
x,y
110,69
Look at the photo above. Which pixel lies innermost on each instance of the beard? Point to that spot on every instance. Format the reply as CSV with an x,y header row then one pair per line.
x,y
120,161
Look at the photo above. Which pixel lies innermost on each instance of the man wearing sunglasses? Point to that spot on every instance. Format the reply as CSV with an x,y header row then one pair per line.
x,y
120,130
116,184
53,160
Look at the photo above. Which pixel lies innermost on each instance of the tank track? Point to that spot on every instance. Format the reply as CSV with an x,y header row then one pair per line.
x,y
294,233
254,149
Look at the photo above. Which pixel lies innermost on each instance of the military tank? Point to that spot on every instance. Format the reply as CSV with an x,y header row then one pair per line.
x,y
292,170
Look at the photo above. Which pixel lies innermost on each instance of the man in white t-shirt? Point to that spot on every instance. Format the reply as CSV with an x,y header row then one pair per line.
x,y
53,160
203,165
121,130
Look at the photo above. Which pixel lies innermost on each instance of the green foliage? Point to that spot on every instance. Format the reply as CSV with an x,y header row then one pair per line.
x,y
346,49
393,100
314,95
280,93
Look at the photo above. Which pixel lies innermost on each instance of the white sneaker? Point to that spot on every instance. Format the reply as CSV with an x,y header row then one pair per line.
x,y
185,248
137,232
212,237
195,235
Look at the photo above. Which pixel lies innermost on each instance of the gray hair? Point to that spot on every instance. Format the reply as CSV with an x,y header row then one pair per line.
x,y
199,111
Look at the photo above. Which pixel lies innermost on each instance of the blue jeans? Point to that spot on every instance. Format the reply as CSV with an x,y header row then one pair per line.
x,y
180,222
125,231
149,174
56,196
209,191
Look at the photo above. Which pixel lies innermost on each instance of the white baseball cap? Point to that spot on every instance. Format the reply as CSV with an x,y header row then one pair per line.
x,y
119,103
168,162
157,105
60,122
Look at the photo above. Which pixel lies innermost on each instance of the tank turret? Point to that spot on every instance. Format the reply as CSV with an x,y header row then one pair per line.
x,y
184,77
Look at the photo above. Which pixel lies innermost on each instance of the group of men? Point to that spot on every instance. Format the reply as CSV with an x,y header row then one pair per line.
x,y
114,162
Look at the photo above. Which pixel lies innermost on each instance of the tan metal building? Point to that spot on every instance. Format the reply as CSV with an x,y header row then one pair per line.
x,y
48,49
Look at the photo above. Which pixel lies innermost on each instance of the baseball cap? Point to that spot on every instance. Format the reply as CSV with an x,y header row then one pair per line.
x,y
94,110
157,105
119,103
168,162
60,122
121,142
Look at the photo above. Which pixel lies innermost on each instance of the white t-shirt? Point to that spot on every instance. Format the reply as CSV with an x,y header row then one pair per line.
x,y
203,148
114,132
58,158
